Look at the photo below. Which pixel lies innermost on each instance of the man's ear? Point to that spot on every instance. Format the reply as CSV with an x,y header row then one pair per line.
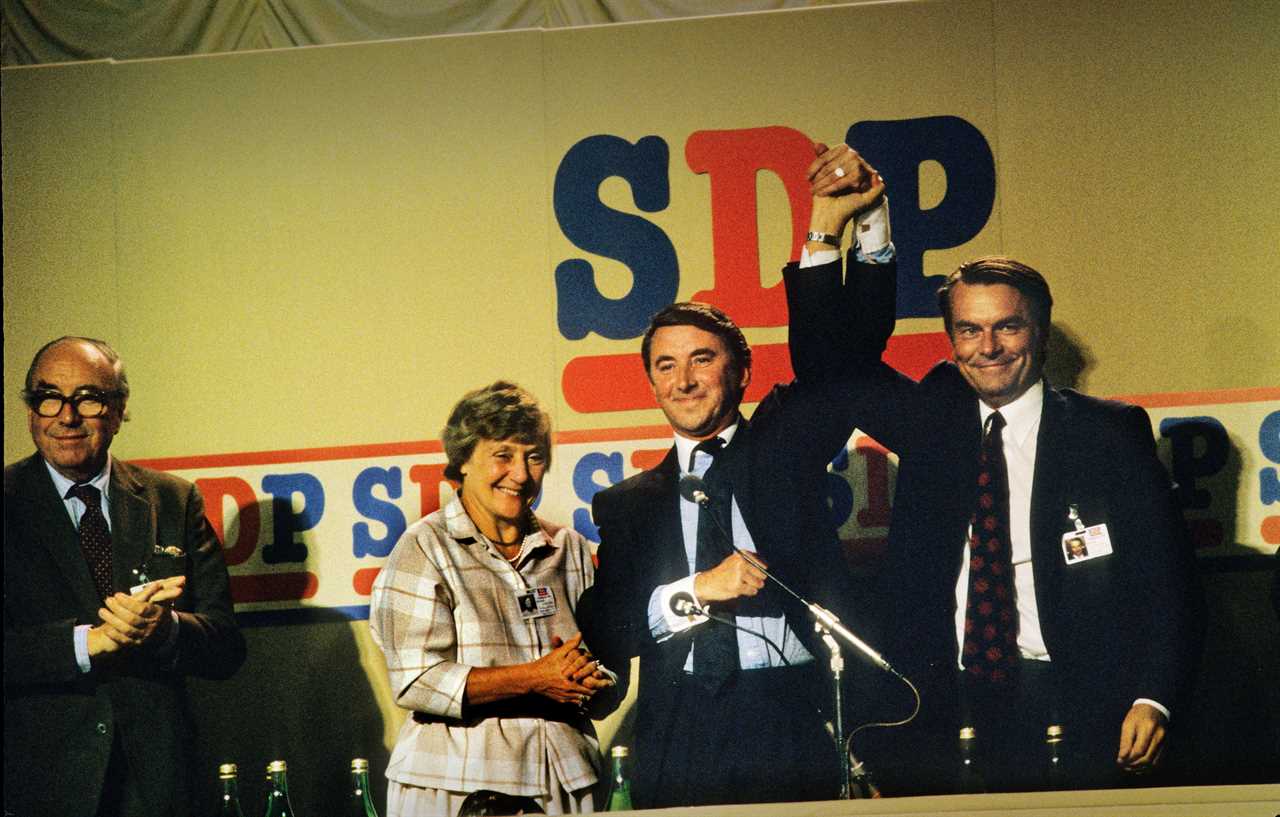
x,y
745,379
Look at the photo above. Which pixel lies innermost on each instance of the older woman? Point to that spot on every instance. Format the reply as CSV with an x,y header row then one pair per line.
x,y
474,612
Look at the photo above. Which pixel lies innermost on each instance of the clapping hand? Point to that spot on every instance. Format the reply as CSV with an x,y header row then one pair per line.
x,y
129,622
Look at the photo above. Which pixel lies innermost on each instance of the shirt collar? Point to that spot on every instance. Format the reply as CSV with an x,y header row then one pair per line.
x,y
462,529
685,446
102,481
1021,416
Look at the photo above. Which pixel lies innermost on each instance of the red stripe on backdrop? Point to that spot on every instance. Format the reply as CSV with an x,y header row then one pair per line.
x,y
326,454
274,587
1202,398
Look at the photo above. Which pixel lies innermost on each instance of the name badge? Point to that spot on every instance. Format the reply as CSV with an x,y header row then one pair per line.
x,y
1085,544
537,602
138,588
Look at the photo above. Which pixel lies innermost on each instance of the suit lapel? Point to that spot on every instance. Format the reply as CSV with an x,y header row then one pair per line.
x,y
50,526
1048,508
663,501
133,529
657,510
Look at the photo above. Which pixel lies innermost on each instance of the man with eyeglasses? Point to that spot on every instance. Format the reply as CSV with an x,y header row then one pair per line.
x,y
114,591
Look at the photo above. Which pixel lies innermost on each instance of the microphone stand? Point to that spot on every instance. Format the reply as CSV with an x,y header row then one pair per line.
x,y
826,624
837,678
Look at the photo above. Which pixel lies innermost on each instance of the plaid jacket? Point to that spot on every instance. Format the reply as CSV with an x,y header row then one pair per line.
x,y
446,601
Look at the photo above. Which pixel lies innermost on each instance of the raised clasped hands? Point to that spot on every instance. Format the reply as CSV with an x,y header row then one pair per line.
x,y
131,622
569,674
842,184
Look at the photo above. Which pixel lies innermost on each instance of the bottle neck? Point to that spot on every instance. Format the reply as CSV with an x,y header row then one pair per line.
x,y
360,786
278,783
230,788
361,797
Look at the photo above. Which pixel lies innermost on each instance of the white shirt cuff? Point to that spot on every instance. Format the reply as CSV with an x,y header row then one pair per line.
x,y
665,622
871,228
1159,706
818,258
80,637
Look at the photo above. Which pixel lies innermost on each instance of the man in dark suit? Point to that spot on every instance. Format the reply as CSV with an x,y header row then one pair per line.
x,y
729,715
1006,627
114,590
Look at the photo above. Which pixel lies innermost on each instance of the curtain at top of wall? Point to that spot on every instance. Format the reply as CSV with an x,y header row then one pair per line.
x,y
34,32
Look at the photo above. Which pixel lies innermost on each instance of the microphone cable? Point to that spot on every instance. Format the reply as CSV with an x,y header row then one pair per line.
x,y
735,625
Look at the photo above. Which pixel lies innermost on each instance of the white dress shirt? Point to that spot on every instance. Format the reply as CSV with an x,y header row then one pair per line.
x,y
753,651
1018,438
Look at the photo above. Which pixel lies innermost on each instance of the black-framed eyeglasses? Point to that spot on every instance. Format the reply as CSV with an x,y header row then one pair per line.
x,y
86,403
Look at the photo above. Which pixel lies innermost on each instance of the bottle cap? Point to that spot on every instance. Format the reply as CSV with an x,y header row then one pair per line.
x,y
1054,732
619,751
968,733
226,770
277,766
359,764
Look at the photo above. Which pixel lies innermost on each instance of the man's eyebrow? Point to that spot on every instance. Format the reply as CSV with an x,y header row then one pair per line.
x,y
44,385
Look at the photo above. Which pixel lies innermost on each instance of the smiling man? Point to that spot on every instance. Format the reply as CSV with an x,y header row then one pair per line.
x,y
114,590
1002,627
731,706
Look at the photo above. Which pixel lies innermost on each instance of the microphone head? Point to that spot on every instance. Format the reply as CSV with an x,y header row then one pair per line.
x,y
682,604
693,489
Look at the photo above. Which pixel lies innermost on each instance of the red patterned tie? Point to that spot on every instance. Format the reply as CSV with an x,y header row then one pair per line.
x,y
990,650
95,537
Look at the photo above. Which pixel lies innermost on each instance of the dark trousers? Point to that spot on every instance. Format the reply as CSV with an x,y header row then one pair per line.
x,y
1012,750
761,738
121,796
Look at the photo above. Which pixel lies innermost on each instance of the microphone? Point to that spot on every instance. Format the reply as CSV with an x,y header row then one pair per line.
x,y
692,489
683,604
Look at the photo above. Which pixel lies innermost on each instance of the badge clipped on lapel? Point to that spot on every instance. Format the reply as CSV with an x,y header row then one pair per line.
x,y
1084,543
140,577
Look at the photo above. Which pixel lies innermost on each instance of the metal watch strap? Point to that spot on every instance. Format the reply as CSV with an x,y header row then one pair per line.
x,y
824,238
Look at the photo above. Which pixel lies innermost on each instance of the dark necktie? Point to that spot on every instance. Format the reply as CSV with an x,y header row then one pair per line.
x,y
990,650
95,537
715,645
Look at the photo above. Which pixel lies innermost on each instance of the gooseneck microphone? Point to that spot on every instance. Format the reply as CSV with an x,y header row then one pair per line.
x,y
693,489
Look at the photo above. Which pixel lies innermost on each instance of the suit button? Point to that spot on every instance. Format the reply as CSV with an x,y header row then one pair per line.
x,y
102,728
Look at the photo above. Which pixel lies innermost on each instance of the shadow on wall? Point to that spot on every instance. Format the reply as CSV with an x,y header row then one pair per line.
x,y
1068,361
303,696
1230,733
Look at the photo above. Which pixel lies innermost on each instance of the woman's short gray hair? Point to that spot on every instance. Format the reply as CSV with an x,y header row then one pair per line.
x,y
499,411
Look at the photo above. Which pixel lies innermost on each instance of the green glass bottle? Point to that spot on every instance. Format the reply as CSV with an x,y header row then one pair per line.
x,y
1055,773
971,781
278,804
620,790
230,804
360,804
